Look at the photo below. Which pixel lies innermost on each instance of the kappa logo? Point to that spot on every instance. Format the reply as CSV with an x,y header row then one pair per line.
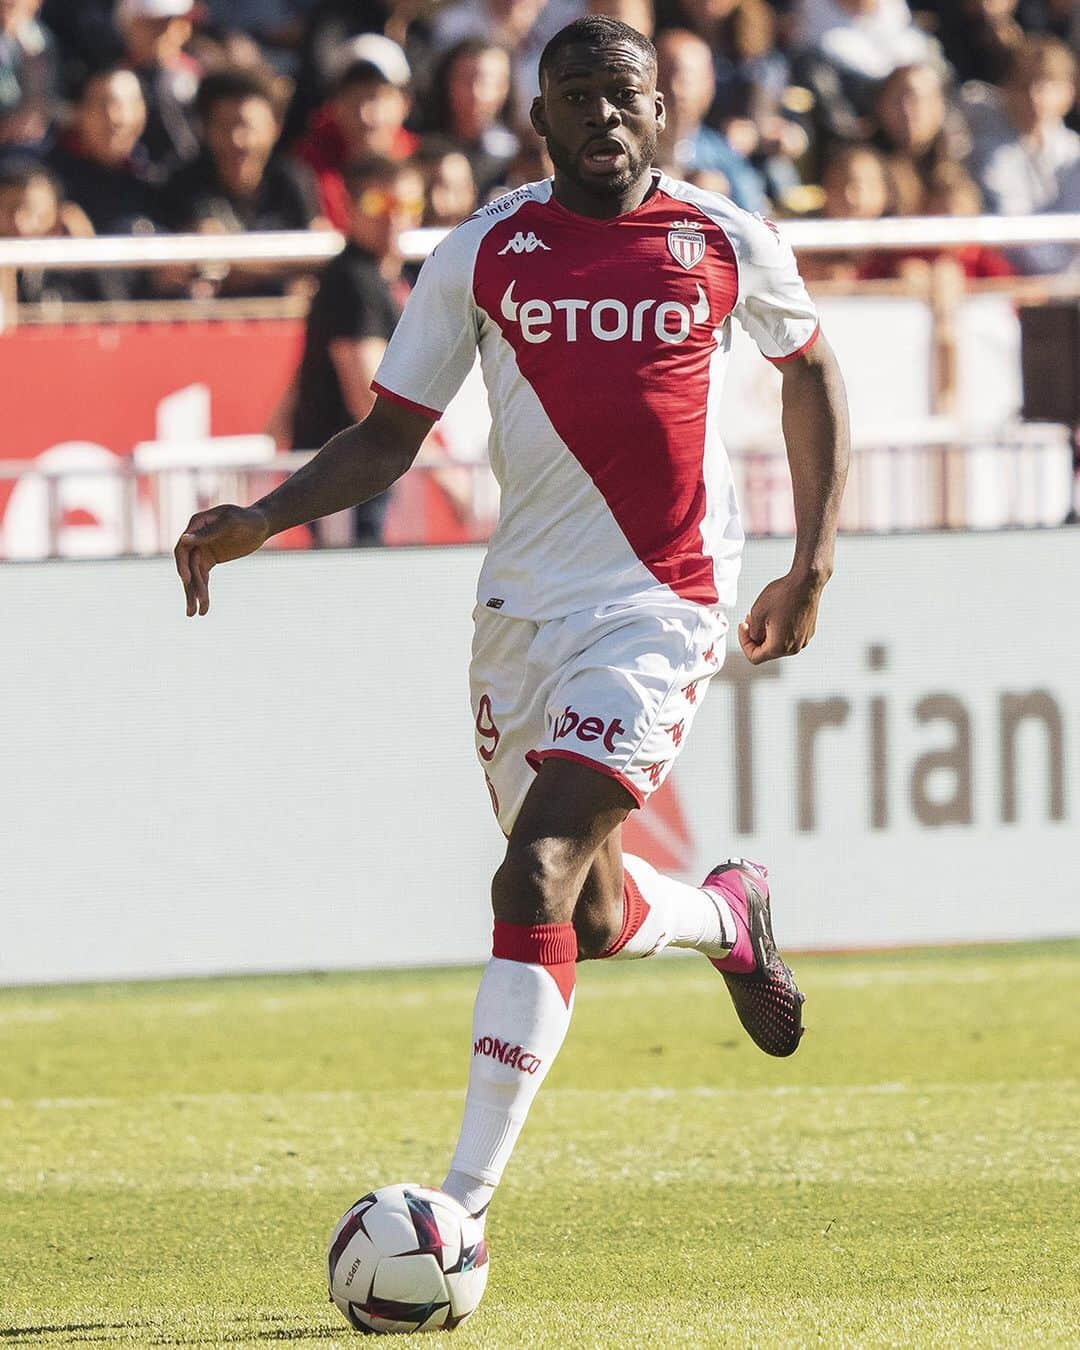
x,y
524,243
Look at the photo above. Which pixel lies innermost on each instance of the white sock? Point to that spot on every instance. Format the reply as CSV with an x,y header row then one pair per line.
x,y
662,912
520,1019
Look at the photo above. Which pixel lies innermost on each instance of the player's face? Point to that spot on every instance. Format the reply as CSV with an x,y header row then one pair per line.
x,y
600,115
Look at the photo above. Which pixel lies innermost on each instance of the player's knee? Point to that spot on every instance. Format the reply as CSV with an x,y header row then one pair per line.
x,y
537,882
597,922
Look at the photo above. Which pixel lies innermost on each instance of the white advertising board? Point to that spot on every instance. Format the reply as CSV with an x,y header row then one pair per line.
x,y
289,784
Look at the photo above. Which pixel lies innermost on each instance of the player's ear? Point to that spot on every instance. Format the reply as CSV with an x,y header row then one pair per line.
x,y
661,111
537,118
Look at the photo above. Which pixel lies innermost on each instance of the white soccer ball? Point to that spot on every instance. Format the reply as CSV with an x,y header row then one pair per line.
x,y
407,1258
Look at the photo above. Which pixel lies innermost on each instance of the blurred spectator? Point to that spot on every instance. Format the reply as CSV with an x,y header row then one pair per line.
x,y
238,183
352,316
276,25
751,72
365,116
949,191
1023,149
237,176
1023,152
101,161
329,30
978,37
751,75
27,75
856,184
86,37
916,131
522,27
639,14
687,145
531,164
30,208
471,96
449,186
845,49
154,33
856,187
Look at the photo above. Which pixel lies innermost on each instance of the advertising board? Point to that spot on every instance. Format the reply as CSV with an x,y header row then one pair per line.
x,y
290,783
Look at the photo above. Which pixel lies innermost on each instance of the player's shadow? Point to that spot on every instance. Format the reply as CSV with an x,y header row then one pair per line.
x,y
72,1333
88,1333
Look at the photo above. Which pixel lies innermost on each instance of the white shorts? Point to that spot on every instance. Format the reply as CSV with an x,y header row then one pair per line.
x,y
616,688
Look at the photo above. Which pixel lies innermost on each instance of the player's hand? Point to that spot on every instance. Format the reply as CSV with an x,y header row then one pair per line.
x,y
215,536
782,619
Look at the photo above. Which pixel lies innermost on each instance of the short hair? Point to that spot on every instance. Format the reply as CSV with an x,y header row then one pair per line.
x,y
596,30
235,84
21,173
361,173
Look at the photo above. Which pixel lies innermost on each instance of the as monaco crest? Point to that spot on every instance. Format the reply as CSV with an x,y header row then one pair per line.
x,y
686,244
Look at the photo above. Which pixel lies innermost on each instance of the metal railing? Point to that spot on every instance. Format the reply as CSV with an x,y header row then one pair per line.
x,y
316,246
936,476
938,481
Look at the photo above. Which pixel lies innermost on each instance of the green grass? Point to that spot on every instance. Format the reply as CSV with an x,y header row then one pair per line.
x,y
173,1157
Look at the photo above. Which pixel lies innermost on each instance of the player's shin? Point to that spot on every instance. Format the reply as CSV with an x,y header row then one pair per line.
x,y
520,1019
660,912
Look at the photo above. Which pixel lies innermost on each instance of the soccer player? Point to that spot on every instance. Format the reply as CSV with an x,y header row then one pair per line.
x,y
601,303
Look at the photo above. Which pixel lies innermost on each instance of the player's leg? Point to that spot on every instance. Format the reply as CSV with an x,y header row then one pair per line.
x,y
629,910
526,993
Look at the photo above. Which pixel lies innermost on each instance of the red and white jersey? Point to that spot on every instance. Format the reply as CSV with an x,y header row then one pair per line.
x,y
603,345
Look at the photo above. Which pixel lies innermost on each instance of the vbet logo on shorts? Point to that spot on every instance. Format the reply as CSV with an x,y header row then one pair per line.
x,y
569,723
607,320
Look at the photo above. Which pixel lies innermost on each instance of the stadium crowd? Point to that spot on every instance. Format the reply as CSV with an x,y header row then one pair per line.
x,y
140,116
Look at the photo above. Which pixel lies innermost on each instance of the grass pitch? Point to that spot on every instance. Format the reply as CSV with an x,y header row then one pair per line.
x,y
173,1157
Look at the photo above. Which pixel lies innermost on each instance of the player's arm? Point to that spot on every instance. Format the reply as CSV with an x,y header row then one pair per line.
x,y
355,465
815,419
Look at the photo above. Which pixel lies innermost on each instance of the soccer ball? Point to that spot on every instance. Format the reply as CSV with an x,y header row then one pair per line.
x,y
407,1258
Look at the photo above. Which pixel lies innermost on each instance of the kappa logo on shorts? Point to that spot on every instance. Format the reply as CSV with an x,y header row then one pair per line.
x,y
570,722
709,655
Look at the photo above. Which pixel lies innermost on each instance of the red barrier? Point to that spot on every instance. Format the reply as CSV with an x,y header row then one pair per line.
x,y
78,395
80,398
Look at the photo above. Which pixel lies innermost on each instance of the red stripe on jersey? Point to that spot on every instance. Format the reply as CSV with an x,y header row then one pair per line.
x,y
614,333
383,392
779,360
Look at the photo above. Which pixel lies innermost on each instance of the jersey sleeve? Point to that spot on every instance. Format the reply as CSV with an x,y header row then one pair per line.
x,y
774,306
435,343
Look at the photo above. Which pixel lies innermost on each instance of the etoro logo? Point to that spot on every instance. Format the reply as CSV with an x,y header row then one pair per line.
x,y
607,320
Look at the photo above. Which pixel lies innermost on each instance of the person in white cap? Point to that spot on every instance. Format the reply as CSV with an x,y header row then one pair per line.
x,y
154,34
365,115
